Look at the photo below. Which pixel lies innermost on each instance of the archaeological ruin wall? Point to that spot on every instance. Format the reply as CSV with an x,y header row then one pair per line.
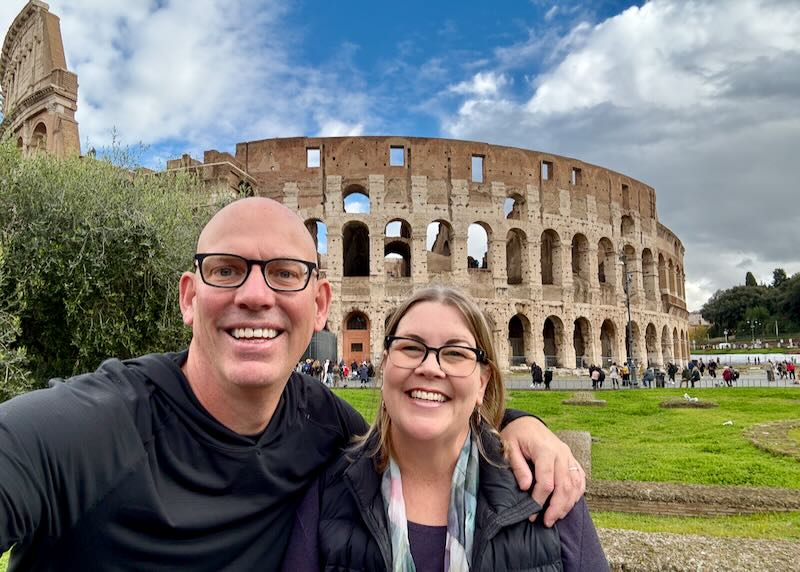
x,y
540,240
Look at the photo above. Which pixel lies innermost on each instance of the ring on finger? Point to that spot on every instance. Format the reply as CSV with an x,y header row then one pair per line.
x,y
575,468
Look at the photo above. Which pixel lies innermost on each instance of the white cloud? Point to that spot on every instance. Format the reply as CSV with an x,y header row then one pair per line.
x,y
698,99
482,84
205,73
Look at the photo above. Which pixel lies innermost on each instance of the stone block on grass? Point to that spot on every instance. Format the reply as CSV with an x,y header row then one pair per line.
x,y
680,403
584,398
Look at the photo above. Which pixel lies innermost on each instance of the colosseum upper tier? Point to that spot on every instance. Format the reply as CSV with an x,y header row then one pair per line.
x,y
544,243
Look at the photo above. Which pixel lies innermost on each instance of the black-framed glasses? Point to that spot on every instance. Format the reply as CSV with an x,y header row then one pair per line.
x,y
455,361
231,271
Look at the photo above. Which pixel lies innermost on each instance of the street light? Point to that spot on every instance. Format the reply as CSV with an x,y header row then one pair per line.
x,y
753,324
726,336
626,288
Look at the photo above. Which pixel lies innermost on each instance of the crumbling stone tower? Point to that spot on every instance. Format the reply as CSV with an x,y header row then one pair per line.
x,y
40,95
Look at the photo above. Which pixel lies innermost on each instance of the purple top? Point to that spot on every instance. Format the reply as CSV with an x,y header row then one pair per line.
x,y
427,546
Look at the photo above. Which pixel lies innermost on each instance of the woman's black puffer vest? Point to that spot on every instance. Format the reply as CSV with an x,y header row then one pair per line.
x,y
354,533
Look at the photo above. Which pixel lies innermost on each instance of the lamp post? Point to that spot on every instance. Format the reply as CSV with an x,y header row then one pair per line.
x,y
726,336
753,324
626,288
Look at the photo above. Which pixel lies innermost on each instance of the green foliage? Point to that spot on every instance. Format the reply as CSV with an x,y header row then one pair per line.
x,y
726,308
730,309
92,257
778,277
14,375
750,280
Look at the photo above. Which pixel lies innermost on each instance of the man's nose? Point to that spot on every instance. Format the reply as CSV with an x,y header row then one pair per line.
x,y
254,291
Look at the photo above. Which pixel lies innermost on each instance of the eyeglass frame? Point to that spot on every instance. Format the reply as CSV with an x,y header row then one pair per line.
x,y
262,264
480,355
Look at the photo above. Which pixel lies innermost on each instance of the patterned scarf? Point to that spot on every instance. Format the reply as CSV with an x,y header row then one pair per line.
x,y
460,513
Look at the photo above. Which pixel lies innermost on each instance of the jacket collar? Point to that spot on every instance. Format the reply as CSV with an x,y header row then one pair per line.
x,y
499,498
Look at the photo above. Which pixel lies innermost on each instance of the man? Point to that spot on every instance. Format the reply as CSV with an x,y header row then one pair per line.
x,y
197,460
536,374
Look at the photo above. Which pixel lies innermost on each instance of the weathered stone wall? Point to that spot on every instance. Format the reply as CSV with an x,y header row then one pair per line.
x,y
39,94
574,215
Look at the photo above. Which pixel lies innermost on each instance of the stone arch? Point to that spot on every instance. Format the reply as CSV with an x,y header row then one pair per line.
x,y
397,259
637,355
582,342
553,341
606,262
662,272
355,239
671,276
355,200
398,228
439,237
627,226
608,342
651,345
684,346
666,346
551,257
629,282
519,339
580,268
355,337
478,240
397,249
514,207
681,293
39,137
319,232
676,346
516,255
649,274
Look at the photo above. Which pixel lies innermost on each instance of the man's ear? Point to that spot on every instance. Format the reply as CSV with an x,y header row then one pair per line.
x,y
186,298
322,301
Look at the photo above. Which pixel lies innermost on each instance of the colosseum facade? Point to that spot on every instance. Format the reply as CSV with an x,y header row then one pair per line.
x,y
544,243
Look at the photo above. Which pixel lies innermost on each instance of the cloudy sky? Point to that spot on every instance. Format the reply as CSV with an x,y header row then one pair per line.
x,y
701,100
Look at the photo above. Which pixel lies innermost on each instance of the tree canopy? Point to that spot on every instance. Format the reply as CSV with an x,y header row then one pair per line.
x,y
91,256
736,308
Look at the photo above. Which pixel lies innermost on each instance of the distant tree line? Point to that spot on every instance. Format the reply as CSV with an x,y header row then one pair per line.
x,y
760,305
90,255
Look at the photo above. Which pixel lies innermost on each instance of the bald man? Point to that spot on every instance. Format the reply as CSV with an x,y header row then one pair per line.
x,y
197,460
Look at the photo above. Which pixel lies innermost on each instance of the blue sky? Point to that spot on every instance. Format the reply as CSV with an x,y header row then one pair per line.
x,y
699,99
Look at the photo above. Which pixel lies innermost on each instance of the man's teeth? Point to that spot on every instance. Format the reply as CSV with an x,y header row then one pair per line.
x,y
427,396
268,333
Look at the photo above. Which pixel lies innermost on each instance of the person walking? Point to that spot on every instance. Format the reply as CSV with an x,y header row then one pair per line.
x,y
548,378
536,375
613,373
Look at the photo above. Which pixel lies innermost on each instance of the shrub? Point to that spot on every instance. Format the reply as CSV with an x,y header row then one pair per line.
x,y
92,253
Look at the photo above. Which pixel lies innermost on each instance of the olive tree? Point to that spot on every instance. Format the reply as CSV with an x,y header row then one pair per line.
x,y
92,253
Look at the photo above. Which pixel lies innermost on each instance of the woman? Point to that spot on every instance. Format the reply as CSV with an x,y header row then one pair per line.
x,y
427,487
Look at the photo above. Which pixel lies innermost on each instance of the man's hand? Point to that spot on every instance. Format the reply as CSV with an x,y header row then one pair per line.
x,y
557,471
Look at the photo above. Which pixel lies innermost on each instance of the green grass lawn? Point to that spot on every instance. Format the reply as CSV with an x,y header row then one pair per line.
x,y
637,440
3,561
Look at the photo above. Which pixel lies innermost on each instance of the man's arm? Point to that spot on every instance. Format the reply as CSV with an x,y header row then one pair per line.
x,y
557,470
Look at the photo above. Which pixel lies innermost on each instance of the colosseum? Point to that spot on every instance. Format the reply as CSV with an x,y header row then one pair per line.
x,y
554,249
543,242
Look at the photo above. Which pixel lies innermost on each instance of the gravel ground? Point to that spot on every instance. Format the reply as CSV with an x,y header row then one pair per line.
x,y
632,551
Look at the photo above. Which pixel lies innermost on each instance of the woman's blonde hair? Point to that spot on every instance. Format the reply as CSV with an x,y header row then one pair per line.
x,y
488,415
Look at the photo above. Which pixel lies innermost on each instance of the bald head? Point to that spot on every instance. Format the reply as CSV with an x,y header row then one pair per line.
x,y
257,216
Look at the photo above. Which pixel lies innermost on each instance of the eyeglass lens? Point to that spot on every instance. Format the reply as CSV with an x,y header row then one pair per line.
x,y
229,271
453,360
